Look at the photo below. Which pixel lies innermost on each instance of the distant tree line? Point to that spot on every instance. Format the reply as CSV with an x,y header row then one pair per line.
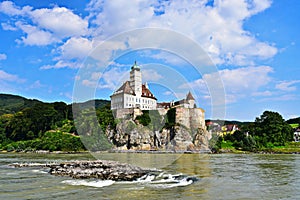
x,y
267,131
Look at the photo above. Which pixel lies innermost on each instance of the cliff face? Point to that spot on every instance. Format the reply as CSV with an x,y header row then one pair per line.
x,y
187,134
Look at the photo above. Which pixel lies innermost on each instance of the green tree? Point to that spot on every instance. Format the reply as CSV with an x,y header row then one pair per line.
x,y
270,127
144,119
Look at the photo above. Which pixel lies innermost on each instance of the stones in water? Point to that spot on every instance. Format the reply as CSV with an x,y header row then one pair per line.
x,y
100,169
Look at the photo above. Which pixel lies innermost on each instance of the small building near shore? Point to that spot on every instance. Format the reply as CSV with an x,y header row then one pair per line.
x,y
297,135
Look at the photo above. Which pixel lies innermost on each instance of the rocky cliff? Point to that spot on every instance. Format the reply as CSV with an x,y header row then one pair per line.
x,y
188,133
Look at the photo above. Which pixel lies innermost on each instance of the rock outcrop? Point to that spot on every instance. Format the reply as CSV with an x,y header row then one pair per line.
x,y
130,135
101,169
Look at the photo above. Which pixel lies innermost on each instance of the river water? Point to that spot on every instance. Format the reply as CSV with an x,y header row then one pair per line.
x,y
224,176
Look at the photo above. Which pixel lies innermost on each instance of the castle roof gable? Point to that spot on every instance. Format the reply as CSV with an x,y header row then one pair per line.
x,y
190,96
125,88
146,92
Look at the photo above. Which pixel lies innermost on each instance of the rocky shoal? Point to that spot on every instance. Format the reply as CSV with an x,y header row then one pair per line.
x,y
100,169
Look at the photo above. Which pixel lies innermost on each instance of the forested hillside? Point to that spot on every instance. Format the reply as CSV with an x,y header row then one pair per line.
x,y
27,124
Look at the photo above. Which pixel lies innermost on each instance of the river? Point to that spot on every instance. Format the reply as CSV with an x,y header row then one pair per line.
x,y
220,176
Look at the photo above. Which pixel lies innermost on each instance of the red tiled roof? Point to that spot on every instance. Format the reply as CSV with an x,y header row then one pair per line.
x,y
146,92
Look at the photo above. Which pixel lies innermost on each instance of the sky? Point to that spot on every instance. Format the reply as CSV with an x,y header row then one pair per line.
x,y
238,57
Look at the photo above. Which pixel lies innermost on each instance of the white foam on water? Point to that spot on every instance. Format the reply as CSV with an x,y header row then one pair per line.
x,y
39,171
98,183
146,179
179,183
162,181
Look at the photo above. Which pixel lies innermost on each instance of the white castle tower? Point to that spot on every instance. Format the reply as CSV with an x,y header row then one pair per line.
x,y
136,80
133,94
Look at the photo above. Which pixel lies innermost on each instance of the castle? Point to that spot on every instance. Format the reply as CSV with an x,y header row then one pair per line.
x,y
134,98
134,94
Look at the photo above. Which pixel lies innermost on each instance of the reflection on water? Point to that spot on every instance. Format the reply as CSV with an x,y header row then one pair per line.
x,y
226,176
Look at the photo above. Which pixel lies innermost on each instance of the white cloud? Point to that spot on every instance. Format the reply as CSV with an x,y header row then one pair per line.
x,y
151,75
37,84
9,8
76,47
244,79
218,28
60,21
266,93
287,85
4,76
238,83
168,58
8,27
62,64
10,82
110,79
113,78
35,36
3,56
45,25
286,97
113,17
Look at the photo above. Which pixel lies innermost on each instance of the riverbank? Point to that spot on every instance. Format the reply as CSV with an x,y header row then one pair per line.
x,y
276,150
289,148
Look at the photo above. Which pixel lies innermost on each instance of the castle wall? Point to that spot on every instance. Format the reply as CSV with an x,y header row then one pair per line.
x,y
124,112
190,117
197,118
183,116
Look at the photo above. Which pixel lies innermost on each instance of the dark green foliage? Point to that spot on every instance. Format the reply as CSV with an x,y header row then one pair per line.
x,y
157,121
91,126
171,118
26,124
215,143
144,119
268,130
12,103
52,141
39,118
105,117
272,128
294,121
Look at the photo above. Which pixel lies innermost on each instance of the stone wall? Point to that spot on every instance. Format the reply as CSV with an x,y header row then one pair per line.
x,y
122,113
192,118
125,112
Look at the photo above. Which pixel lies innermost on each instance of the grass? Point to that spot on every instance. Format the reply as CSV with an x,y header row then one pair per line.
x,y
291,147
294,125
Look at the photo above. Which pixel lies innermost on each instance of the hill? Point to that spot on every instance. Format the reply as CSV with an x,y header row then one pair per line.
x,y
32,124
10,104
294,121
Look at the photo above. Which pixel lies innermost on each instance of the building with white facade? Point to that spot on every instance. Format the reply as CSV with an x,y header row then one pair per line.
x,y
133,94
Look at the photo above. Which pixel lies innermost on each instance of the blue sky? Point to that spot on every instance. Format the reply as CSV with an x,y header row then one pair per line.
x,y
49,49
